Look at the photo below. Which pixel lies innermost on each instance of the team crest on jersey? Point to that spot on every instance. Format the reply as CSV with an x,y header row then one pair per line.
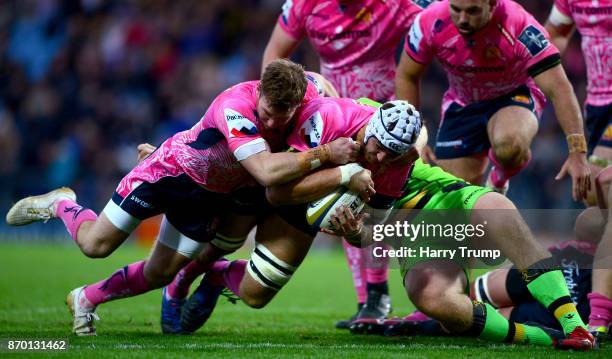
x,y
364,15
311,130
238,125
492,53
415,35
522,99
534,40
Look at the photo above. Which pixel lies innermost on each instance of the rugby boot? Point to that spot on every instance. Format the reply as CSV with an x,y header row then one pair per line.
x,y
171,314
346,324
83,318
38,208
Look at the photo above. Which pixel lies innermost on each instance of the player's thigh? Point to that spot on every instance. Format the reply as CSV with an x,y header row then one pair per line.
x,y
471,168
514,125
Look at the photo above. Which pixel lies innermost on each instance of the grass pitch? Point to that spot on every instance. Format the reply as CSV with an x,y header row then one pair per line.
x,y
35,279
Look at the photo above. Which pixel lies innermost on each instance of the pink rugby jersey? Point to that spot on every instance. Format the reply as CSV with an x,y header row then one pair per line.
x,y
356,42
511,49
208,153
593,19
326,119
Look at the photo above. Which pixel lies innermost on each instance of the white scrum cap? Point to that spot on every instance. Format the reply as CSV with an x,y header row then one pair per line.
x,y
396,125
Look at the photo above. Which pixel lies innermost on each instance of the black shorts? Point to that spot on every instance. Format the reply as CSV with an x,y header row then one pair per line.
x,y
463,131
599,125
190,208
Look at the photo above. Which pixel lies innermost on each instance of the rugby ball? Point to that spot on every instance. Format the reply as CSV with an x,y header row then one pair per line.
x,y
319,212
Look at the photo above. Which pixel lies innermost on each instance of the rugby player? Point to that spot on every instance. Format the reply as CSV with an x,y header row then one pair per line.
x,y
228,149
435,287
357,42
283,237
498,61
593,20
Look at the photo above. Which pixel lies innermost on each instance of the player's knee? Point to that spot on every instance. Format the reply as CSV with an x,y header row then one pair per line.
x,y
95,249
255,302
511,151
590,225
426,292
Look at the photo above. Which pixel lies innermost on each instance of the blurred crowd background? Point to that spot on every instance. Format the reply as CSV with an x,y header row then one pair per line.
x,y
82,82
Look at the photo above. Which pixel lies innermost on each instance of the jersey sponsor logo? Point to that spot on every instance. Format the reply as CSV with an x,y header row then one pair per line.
x,y
472,69
454,143
140,202
286,11
311,130
534,40
415,35
238,125
587,10
422,3
352,35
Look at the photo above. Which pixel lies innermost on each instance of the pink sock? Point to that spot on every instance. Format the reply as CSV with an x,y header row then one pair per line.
x,y
73,215
228,274
179,288
601,310
126,282
501,175
376,268
216,271
233,275
357,268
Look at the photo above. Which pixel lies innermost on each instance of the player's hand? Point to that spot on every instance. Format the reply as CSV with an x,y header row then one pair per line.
x,y
346,224
144,150
362,183
343,150
576,166
428,155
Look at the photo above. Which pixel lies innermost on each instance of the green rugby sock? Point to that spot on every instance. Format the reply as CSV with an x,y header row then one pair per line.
x,y
547,285
490,325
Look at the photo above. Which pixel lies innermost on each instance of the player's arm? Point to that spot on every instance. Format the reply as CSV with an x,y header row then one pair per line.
x,y
408,79
557,87
560,27
280,45
408,87
271,169
328,88
320,183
